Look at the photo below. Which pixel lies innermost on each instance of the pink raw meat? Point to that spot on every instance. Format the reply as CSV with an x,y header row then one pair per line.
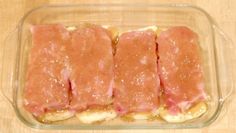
x,y
91,61
136,79
47,84
180,69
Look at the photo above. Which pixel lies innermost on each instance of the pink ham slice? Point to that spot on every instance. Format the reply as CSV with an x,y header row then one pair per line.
x,y
136,78
180,69
47,84
91,61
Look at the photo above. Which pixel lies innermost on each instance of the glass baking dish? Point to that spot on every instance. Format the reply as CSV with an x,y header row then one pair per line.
x,y
216,51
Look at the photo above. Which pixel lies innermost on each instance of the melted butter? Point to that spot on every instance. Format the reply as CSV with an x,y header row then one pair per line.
x,y
114,32
114,36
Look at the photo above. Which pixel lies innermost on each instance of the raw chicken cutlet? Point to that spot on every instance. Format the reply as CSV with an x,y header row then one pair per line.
x,y
136,78
91,61
47,81
180,69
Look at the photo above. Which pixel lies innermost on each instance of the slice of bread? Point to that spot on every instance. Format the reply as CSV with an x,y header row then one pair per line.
x,y
141,116
153,28
96,115
71,28
56,116
194,112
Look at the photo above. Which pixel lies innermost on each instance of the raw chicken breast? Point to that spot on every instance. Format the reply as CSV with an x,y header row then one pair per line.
x,y
47,81
91,62
180,69
136,78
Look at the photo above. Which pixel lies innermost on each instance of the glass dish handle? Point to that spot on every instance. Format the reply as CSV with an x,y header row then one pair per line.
x,y
226,50
9,50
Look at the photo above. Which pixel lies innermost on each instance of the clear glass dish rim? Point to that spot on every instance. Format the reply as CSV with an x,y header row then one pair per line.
x,y
102,127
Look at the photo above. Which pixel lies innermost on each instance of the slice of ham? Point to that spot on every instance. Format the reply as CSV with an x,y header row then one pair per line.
x,y
47,81
91,61
180,69
136,78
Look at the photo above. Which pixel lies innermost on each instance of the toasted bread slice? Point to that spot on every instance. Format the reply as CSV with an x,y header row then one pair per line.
x,y
56,116
194,112
96,115
71,28
153,28
141,116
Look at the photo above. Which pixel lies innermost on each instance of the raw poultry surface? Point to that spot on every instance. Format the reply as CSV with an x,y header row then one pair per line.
x,y
85,69
180,69
136,81
47,81
91,62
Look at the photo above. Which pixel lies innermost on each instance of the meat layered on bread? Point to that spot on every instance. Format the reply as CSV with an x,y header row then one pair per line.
x,y
47,81
92,73
136,80
181,73
98,73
